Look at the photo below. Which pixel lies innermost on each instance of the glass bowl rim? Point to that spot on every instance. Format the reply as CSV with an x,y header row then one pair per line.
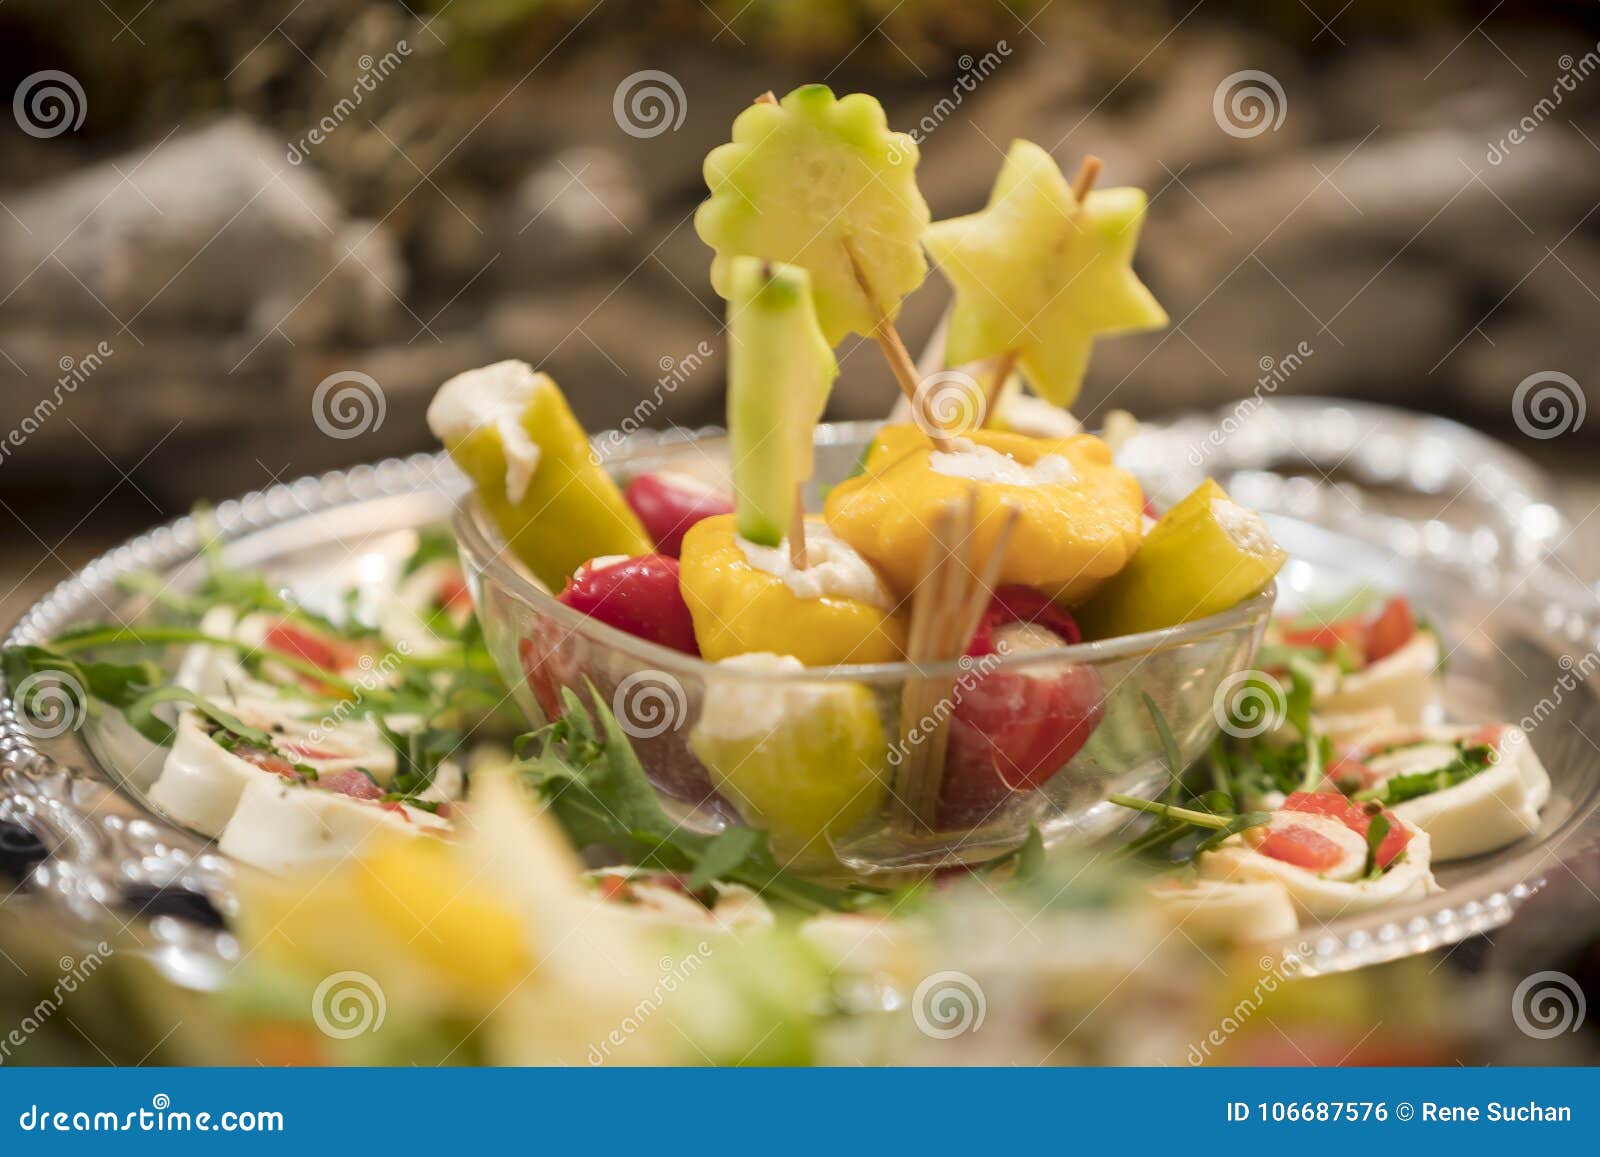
x,y
483,550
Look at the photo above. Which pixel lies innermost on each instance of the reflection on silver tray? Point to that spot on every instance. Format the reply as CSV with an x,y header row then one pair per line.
x,y
1333,478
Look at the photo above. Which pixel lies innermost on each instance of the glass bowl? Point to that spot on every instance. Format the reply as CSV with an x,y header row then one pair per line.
x,y
791,749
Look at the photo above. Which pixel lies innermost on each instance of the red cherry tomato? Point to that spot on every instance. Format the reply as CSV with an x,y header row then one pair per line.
x,y
1019,604
637,595
669,505
1012,730
1391,630
1301,847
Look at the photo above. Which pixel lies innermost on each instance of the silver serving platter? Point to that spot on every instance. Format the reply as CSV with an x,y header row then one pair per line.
x,y
1346,488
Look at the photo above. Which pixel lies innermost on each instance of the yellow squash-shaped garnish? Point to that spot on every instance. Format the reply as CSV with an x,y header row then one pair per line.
x,y
805,761
511,432
739,608
1078,513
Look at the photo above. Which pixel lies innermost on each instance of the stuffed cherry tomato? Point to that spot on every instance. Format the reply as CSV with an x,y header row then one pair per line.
x,y
669,503
1011,730
636,595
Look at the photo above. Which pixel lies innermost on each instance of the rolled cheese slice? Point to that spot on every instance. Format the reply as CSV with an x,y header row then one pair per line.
x,y
1346,728
1229,911
1496,807
279,825
1338,891
1402,683
652,899
200,783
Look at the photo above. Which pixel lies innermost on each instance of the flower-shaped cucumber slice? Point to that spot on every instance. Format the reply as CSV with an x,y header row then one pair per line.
x,y
823,183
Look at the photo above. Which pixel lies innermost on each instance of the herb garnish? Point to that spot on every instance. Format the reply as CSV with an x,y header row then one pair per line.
x,y
586,770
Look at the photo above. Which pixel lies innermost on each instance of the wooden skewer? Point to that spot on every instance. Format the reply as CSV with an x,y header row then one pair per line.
x,y
949,601
765,98
797,533
894,350
1003,365
1088,174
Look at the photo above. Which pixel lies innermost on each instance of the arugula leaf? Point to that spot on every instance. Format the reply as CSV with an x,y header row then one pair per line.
x,y
1169,745
1236,824
727,850
114,683
1028,857
594,785
1376,831
1469,761
1220,826
141,714
418,755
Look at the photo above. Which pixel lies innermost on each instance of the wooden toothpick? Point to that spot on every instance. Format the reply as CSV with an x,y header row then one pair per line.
x,y
894,349
797,533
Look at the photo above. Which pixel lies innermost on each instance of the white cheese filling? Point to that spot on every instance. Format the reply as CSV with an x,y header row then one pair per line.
x,y
1243,525
496,396
986,464
1496,807
743,710
833,569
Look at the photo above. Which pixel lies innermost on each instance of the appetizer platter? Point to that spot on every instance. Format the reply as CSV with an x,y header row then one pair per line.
x,y
791,667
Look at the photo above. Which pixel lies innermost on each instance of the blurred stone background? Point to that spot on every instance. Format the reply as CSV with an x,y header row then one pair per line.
x,y
211,208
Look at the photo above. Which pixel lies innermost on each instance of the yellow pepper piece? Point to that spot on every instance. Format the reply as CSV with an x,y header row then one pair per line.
x,y
423,893
1205,555
738,608
1079,513
408,911
805,761
511,432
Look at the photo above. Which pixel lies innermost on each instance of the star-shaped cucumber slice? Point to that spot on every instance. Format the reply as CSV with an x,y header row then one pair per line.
x,y
1038,274
822,183
780,370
